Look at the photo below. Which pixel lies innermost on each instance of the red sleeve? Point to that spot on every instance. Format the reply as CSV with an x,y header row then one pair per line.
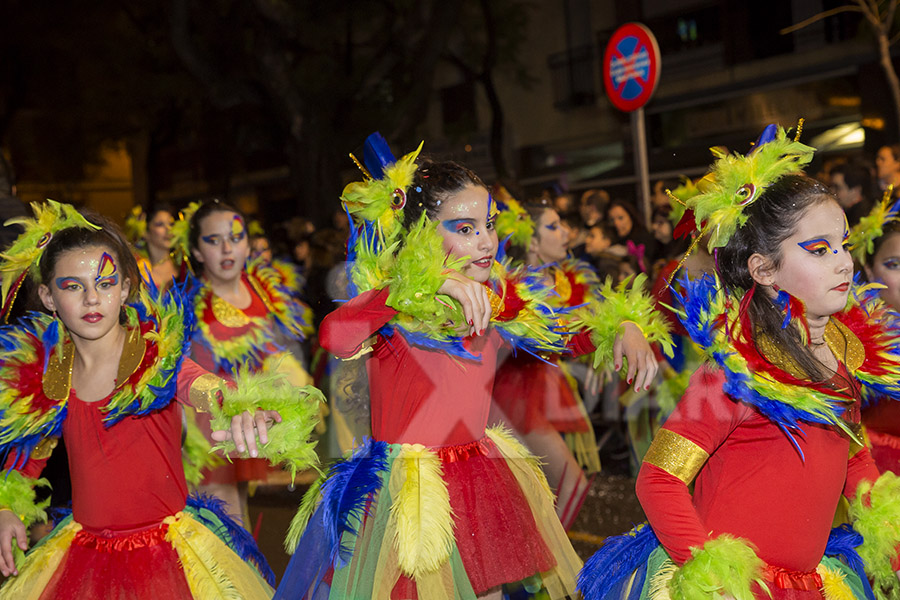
x,y
344,330
706,416
32,467
187,375
860,468
580,343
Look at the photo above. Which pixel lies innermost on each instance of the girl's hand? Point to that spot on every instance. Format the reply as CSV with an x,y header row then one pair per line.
x,y
10,527
242,427
642,364
593,382
473,298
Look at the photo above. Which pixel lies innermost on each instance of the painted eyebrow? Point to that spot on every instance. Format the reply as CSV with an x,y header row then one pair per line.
x,y
210,238
816,243
454,223
63,281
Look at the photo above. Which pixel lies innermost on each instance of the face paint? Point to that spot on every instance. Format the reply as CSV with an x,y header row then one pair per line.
x,y
457,225
817,246
237,228
63,283
107,272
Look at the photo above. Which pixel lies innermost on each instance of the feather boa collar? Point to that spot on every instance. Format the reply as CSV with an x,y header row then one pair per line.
x,y
30,371
714,322
574,281
249,339
520,311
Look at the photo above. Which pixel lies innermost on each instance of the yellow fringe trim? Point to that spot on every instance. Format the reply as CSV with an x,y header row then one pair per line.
x,y
512,448
833,585
212,569
659,583
40,565
421,512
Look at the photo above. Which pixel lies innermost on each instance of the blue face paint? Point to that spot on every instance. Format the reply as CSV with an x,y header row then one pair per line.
x,y
817,246
63,283
457,225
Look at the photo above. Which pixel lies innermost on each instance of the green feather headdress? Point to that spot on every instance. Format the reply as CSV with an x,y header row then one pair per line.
x,y
135,225
871,227
181,232
736,181
381,201
24,253
513,221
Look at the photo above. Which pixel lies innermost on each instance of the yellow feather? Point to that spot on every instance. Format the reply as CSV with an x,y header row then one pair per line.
x,y
833,584
421,511
40,565
213,571
511,448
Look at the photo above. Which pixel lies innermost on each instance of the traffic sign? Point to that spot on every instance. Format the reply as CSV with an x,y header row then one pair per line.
x,y
631,66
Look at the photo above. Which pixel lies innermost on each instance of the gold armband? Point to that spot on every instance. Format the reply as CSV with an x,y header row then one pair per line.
x,y
203,392
676,455
44,448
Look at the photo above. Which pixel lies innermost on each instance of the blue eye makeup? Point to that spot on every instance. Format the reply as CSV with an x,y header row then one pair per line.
x,y
456,225
64,282
817,246
212,240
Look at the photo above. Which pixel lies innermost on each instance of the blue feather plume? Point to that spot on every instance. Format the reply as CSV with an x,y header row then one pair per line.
x,y
842,543
230,531
615,561
349,486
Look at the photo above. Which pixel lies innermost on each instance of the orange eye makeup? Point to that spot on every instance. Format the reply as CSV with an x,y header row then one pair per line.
x,y
817,245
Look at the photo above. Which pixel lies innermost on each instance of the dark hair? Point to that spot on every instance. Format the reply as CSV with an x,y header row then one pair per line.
x,y
207,208
637,221
855,175
895,150
771,219
889,229
596,197
432,183
158,208
108,236
535,207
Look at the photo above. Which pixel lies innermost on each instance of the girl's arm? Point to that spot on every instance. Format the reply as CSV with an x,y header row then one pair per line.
x,y
704,418
860,468
18,506
344,330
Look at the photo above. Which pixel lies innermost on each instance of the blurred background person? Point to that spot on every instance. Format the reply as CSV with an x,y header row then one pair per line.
x,y
851,185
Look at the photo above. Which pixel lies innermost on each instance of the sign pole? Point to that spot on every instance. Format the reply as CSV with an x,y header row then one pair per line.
x,y
641,167
631,66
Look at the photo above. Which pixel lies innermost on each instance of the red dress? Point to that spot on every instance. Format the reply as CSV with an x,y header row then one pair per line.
x,y
237,468
427,397
127,484
533,394
755,485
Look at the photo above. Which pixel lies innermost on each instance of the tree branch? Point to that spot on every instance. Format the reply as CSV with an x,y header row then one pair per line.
x,y
818,17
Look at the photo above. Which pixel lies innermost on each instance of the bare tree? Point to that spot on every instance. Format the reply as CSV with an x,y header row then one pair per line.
x,y
880,16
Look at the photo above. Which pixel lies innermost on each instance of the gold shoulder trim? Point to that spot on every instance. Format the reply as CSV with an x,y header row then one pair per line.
x,y
203,392
227,314
44,448
845,345
57,379
132,354
676,455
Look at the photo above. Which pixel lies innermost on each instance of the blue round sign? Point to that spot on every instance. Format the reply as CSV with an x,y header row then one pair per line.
x,y
631,66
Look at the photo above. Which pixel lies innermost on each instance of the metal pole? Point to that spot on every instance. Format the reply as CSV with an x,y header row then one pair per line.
x,y
641,169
